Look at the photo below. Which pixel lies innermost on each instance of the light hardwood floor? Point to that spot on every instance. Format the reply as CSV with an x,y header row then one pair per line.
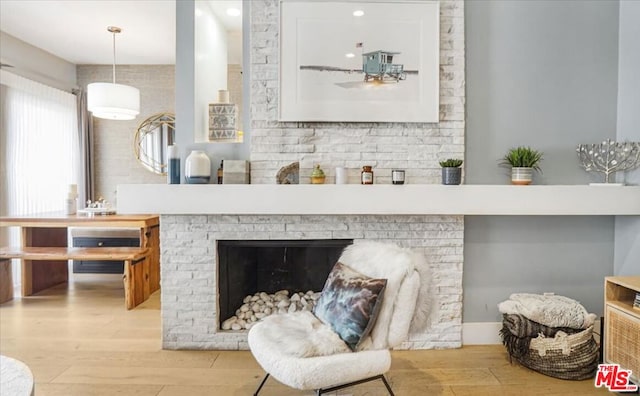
x,y
79,339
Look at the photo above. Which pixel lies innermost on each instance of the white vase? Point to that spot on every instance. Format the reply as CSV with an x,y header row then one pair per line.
x,y
197,168
521,176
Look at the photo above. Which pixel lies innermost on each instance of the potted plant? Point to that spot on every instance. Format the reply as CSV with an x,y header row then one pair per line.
x,y
451,171
523,161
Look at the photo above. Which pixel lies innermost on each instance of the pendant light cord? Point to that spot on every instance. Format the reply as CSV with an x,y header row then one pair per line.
x,y
114,30
114,57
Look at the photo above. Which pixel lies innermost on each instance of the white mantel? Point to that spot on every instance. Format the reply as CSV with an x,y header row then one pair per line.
x,y
353,199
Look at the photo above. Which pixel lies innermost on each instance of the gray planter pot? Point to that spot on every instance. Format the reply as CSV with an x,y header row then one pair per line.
x,y
451,176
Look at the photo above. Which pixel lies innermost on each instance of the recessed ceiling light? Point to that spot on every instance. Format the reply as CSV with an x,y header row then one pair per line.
x,y
233,12
350,55
358,13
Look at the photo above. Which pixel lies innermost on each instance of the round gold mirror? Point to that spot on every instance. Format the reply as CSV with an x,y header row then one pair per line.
x,y
153,137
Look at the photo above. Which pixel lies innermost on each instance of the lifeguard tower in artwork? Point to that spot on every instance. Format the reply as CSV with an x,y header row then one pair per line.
x,y
378,66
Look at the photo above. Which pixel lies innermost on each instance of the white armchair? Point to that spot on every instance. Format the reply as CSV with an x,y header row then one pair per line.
x,y
304,353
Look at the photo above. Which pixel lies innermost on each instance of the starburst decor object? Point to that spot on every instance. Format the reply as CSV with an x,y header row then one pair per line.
x,y
609,157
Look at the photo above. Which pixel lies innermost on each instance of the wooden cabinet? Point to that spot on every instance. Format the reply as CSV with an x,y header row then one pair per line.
x,y
101,266
622,323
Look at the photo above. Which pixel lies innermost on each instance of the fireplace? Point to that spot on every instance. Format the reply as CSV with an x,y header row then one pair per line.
x,y
246,267
190,268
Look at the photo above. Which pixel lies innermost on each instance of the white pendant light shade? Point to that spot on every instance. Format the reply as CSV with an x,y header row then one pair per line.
x,y
110,100
113,101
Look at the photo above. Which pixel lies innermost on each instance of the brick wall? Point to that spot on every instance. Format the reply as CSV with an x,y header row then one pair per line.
x,y
188,243
189,284
414,147
115,161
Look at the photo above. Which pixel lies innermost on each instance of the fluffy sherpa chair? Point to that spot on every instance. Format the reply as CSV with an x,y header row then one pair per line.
x,y
304,353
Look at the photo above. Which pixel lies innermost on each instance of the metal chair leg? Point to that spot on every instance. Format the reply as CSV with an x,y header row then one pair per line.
x,y
387,385
362,381
261,385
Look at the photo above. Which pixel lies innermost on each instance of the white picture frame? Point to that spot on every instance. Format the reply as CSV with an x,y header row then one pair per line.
x,y
322,56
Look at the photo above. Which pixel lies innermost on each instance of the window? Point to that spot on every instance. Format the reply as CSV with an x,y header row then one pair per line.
x,y
38,148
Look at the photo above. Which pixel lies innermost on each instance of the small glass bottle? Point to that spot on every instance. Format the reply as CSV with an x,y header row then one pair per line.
x,y
220,172
366,176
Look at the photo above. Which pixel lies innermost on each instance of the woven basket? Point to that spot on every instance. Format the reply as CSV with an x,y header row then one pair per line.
x,y
565,356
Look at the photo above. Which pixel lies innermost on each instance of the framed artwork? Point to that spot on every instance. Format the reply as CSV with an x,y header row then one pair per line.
x,y
359,62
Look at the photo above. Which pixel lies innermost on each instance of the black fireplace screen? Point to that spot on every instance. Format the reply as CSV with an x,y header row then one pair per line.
x,y
247,267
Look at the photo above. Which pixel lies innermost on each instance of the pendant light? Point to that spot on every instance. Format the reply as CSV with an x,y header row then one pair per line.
x,y
110,100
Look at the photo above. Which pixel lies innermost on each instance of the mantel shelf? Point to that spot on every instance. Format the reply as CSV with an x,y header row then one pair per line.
x,y
355,199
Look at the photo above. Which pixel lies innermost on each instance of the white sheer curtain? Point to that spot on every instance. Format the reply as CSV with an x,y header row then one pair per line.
x,y
38,148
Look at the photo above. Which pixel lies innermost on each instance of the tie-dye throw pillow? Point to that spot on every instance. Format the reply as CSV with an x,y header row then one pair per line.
x,y
349,303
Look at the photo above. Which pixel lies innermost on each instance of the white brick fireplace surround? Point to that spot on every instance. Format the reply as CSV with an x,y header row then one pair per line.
x,y
189,284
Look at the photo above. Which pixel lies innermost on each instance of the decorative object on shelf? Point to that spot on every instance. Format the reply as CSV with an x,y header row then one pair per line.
x,y
173,173
636,301
397,176
317,175
222,119
366,176
236,172
152,138
220,172
341,175
289,174
451,171
609,157
523,161
110,100
98,207
197,169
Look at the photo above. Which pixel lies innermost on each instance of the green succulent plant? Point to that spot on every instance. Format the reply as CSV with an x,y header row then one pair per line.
x,y
522,157
451,163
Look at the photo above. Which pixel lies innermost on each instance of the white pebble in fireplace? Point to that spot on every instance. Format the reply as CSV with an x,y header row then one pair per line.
x,y
261,305
190,292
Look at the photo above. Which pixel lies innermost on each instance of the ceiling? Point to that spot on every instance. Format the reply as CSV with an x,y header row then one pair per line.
x,y
77,30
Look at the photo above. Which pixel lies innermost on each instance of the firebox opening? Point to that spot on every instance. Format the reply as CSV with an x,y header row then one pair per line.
x,y
247,267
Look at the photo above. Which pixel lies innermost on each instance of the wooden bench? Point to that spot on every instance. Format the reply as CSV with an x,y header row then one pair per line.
x,y
137,287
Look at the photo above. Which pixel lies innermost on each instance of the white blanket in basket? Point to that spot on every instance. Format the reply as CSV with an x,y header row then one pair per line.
x,y
552,311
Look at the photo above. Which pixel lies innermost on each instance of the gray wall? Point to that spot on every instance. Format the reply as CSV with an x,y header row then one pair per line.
x,y
627,242
542,74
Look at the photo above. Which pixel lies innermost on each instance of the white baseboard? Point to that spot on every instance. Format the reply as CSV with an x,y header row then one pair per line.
x,y
487,333
481,333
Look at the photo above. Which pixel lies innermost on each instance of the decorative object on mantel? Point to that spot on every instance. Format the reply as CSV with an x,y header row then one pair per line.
x,y
317,175
98,207
451,171
523,161
289,174
197,169
341,175
609,157
173,171
236,172
397,176
366,176
222,119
